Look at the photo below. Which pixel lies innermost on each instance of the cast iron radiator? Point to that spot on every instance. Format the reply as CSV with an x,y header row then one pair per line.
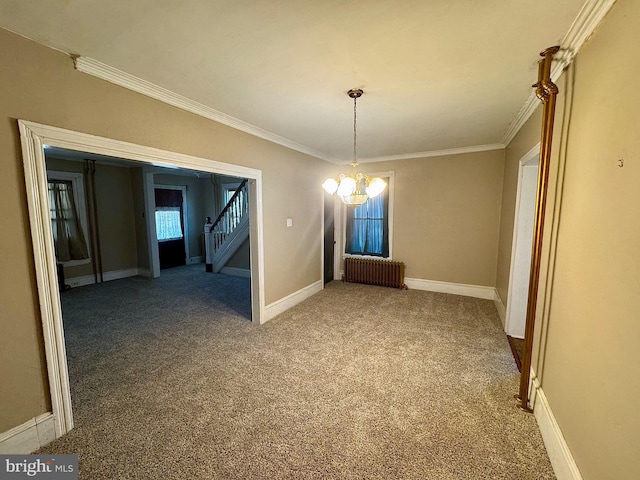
x,y
374,272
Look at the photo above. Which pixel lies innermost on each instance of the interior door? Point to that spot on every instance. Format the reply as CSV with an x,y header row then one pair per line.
x,y
329,240
170,227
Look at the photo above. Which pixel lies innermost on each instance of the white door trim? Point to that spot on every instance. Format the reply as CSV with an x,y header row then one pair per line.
x,y
34,137
527,159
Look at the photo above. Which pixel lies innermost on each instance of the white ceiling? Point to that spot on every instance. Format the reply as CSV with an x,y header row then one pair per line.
x,y
437,74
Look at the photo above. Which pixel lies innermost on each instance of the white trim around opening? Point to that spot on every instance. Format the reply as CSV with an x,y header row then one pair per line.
x,y
34,138
517,295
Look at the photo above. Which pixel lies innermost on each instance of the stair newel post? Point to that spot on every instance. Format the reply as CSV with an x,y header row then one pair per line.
x,y
207,245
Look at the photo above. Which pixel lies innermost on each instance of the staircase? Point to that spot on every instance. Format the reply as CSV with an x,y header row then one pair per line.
x,y
224,237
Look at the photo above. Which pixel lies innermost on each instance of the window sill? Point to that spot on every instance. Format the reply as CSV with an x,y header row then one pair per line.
x,y
371,257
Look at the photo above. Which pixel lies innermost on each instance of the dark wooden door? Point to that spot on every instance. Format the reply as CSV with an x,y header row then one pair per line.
x,y
172,251
329,240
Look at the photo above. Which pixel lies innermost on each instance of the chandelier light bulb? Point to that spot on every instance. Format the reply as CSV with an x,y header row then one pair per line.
x,y
330,186
376,187
347,186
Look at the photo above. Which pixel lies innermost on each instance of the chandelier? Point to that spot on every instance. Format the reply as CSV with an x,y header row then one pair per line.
x,y
355,188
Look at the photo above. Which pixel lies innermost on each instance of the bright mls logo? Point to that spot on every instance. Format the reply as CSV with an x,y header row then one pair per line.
x,y
50,467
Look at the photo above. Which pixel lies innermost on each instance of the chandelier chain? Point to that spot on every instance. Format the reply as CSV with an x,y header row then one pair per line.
x,y
356,188
355,131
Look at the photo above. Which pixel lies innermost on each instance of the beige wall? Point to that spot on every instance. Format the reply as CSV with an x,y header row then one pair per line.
x,y
241,259
447,215
114,198
41,85
139,209
589,373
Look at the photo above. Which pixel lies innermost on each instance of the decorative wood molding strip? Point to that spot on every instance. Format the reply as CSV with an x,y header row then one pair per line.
x,y
477,291
46,275
285,303
110,74
434,153
29,436
118,77
564,465
590,16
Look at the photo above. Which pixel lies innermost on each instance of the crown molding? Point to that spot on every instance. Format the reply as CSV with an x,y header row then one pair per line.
x,y
118,77
434,153
588,19
110,74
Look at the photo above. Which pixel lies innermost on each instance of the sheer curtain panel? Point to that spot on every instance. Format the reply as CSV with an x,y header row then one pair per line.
x,y
68,236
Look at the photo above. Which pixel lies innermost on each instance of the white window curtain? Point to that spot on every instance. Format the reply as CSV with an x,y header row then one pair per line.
x,y
168,223
68,236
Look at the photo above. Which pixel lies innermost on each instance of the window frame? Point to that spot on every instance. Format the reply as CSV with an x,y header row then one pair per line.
x,y
226,188
343,222
77,183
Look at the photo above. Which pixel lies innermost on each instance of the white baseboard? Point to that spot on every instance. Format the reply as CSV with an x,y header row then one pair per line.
x,y
144,272
279,306
80,281
502,310
107,276
561,458
236,272
477,291
194,260
29,436
118,274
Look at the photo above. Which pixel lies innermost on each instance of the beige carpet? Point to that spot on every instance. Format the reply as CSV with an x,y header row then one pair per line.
x,y
171,381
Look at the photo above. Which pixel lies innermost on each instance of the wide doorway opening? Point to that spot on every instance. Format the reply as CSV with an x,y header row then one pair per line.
x,y
97,228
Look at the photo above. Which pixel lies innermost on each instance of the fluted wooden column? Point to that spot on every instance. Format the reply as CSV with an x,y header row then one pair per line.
x,y
546,91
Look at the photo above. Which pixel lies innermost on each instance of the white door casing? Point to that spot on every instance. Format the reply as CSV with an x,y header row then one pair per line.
x,y
516,309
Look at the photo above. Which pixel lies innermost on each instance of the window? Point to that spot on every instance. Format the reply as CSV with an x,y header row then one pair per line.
x,y
367,226
168,223
170,203
68,217
235,214
228,193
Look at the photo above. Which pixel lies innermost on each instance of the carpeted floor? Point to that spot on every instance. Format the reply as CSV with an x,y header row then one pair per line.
x,y
171,381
